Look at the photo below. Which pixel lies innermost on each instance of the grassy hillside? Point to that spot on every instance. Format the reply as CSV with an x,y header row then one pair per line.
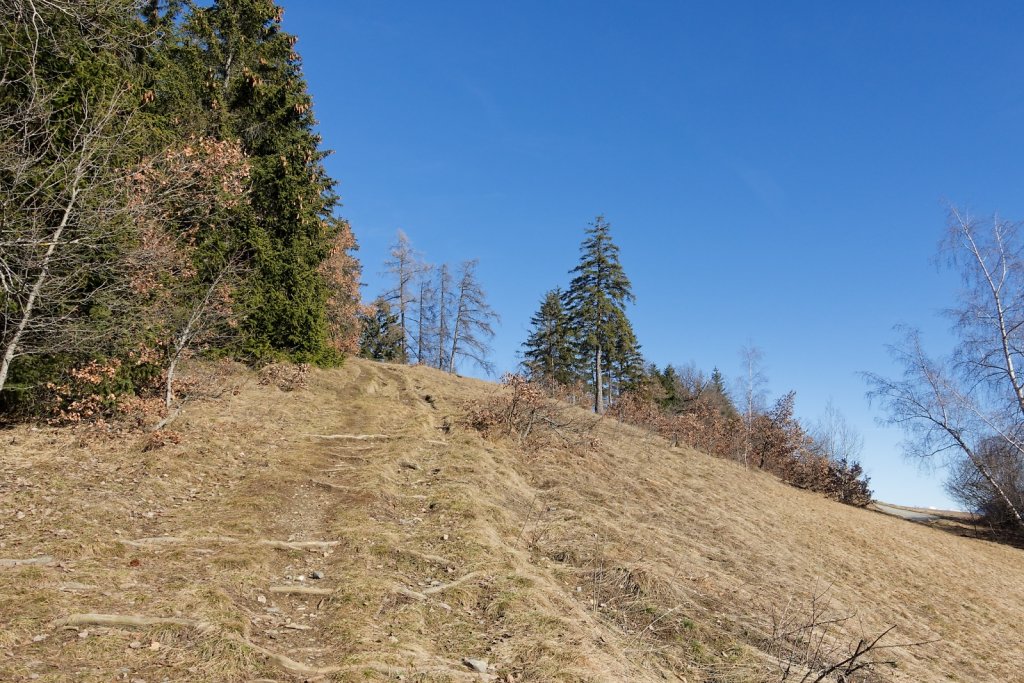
x,y
629,561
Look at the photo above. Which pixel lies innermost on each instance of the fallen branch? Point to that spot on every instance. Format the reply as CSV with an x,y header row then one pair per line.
x,y
301,590
41,560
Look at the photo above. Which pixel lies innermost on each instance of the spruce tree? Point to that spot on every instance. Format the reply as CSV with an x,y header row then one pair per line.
x,y
596,305
625,369
549,354
249,83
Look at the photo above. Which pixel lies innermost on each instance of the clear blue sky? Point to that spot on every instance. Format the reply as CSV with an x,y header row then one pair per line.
x,y
773,172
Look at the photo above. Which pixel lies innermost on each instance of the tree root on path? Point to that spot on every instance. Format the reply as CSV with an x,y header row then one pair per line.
x,y
282,661
301,590
446,586
427,557
426,593
280,545
204,627
409,593
300,545
41,560
350,437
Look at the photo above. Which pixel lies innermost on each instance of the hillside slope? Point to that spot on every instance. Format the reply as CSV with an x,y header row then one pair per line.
x,y
632,561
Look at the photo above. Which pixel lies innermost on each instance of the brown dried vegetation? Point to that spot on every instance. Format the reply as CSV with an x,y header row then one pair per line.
x,y
630,560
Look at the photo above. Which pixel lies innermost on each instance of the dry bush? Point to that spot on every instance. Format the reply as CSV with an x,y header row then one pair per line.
x,y
779,443
782,447
285,376
811,642
523,411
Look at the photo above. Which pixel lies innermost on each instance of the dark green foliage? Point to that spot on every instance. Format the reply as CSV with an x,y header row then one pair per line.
x,y
233,72
681,389
596,308
549,355
381,337
94,93
66,134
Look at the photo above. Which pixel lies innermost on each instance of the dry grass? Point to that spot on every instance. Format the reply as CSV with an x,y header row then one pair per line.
x,y
632,562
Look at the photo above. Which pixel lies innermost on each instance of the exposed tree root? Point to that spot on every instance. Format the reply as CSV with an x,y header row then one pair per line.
x,y
138,621
427,557
445,586
280,545
339,487
177,540
450,673
284,662
301,590
300,545
409,593
426,594
350,437
41,560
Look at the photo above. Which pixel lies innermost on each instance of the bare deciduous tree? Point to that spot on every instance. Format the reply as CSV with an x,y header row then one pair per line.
x,y
426,313
752,387
179,195
472,323
443,305
403,266
953,408
835,438
61,207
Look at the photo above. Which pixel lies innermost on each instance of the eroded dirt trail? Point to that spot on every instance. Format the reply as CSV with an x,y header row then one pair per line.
x,y
284,553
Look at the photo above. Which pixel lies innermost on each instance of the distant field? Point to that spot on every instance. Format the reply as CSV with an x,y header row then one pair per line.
x,y
194,557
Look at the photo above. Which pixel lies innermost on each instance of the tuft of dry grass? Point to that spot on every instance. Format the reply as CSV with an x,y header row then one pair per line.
x,y
626,560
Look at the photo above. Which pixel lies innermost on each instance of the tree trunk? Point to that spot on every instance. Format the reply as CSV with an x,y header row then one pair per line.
x,y
598,384
37,288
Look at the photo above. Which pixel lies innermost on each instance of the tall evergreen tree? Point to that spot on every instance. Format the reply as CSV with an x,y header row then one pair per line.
x,y
625,369
247,78
596,304
549,353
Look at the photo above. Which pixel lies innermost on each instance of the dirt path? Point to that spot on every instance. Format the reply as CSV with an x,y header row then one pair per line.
x,y
285,551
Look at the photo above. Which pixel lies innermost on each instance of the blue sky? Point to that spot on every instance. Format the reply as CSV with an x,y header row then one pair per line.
x,y
774,173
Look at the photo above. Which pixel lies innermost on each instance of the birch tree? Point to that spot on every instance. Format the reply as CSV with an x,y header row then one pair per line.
x,y
969,406
752,386
65,124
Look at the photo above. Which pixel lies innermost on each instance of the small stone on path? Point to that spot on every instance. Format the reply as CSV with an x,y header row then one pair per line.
x,y
478,665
